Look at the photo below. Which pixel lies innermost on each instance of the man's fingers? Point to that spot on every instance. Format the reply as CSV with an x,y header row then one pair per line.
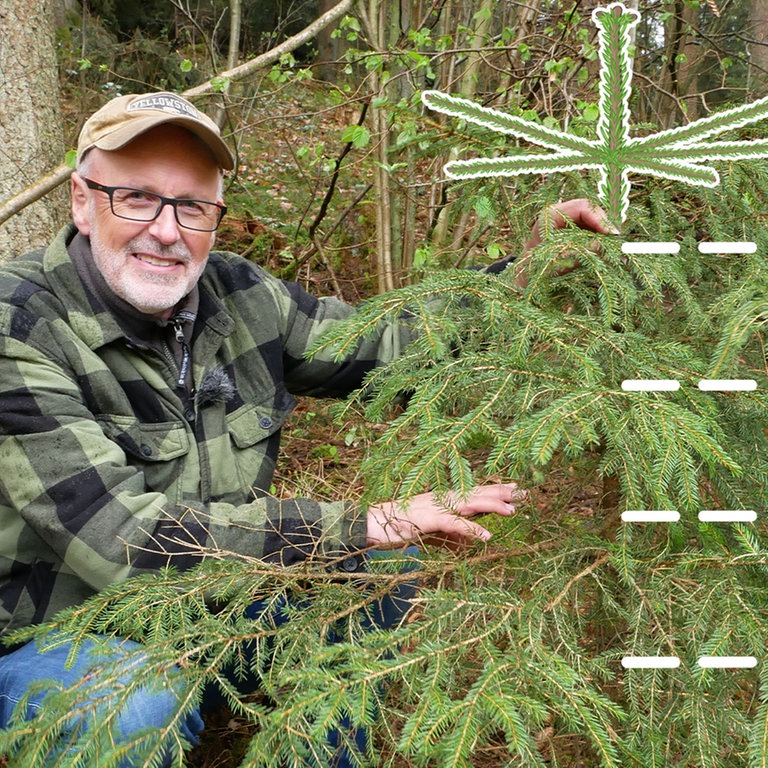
x,y
578,211
499,499
582,213
432,517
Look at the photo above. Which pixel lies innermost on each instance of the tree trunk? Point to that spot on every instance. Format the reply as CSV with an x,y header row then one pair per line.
x,y
467,88
468,82
328,48
30,120
679,79
62,9
757,34
690,65
375,20
233,55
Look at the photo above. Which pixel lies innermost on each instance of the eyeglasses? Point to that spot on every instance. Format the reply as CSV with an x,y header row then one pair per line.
x,y
140,205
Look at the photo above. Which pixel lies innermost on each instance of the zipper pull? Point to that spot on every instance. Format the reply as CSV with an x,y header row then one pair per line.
x,y
178,330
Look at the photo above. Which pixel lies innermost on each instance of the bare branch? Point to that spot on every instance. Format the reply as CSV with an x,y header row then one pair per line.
x,y
291,44
46,184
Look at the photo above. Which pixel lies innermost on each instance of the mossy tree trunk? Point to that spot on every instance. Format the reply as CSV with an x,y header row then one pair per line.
x,y
30,120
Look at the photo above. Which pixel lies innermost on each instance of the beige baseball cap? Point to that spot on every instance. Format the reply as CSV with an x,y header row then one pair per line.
x,y
124,118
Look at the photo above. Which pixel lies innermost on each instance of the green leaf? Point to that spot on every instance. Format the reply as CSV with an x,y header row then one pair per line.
x,y
357,135
590,113
220,84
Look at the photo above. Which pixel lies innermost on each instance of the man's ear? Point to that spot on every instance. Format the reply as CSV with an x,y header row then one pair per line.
x,y
80,205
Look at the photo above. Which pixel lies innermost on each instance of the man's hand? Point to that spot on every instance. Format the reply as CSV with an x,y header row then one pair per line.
x,y
579,212
392,524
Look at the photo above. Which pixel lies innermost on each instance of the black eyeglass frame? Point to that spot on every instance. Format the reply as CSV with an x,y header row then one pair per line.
x,y
172,201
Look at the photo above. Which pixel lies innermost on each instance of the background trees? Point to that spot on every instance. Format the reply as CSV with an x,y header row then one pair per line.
x,y
540,56
515,658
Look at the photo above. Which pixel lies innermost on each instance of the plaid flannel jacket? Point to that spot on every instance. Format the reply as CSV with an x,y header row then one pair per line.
x,y
108,470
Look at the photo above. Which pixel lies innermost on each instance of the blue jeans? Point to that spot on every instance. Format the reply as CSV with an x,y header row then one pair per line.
x,y
150,707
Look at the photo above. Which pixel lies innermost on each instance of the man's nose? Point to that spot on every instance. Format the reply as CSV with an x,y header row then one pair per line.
x,y
165,227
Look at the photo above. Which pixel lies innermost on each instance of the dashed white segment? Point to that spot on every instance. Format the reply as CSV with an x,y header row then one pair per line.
x,y
706,246
650,247
650,385
727,516
707,515
727,662
727,385
727,247
650,662
650,516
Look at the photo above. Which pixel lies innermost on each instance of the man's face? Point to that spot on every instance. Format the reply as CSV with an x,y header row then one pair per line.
x,y
151,265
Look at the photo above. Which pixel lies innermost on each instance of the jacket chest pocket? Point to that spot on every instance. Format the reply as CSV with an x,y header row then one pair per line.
x,y
254,437
159,450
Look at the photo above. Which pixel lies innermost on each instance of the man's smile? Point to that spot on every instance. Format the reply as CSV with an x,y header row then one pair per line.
x,y
158,261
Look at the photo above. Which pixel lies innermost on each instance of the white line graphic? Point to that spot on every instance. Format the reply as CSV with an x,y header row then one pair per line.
x,y
650,385
650,516
650,662
727,247
727,385
650,247
727,516
705,515
727,662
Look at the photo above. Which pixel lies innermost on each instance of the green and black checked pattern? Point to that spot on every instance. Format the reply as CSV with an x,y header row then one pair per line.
x,y
108,470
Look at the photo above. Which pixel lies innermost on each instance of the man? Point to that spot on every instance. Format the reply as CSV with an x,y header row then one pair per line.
x,y
145,380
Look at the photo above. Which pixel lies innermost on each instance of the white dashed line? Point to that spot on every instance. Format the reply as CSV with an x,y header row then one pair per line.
x,y
650,662
727,662
706,515
650,385
650,247
727,516
727,247
705,385
650,516
673,662
727,385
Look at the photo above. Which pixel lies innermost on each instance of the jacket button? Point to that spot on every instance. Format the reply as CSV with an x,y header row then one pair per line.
x,y
146,450
189,415
349,564
265,422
